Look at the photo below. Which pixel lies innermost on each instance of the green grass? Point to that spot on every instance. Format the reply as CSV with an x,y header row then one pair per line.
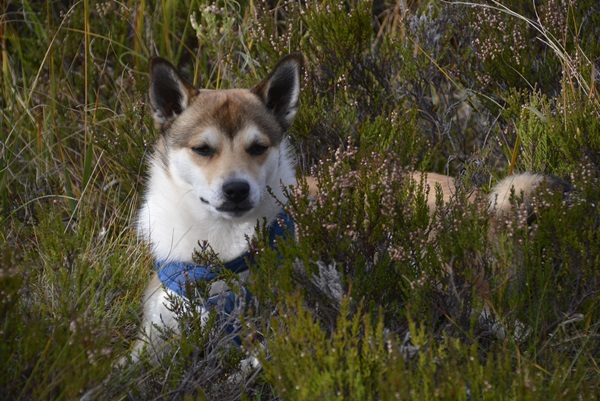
x,y
362,306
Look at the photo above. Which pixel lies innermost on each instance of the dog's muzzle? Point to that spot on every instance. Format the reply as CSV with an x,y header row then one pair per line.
x,y
237,197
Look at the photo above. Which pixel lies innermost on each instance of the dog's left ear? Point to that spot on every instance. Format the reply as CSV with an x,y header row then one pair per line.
x,y
280,91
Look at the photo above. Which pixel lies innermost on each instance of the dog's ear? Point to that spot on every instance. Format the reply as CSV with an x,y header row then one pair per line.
x,y
170,94
280,91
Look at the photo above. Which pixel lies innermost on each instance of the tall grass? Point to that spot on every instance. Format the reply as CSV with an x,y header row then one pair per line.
x,y
379,298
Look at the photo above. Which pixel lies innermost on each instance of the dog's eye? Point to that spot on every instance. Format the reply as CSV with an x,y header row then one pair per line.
x,y
257,149
203,150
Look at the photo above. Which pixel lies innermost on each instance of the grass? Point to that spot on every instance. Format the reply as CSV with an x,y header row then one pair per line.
x,y
378,298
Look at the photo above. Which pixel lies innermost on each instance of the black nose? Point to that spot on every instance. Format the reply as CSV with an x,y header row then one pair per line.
x,y
236,191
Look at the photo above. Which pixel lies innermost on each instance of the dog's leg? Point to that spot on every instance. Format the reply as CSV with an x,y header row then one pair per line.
x,y
156,313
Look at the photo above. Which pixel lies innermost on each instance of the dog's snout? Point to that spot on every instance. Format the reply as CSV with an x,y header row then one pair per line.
x,y
236,191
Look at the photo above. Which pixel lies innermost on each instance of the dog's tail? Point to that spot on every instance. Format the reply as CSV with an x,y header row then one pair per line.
x,y
524,187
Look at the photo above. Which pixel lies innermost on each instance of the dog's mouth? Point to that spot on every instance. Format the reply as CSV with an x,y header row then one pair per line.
x,y
231,208
235,208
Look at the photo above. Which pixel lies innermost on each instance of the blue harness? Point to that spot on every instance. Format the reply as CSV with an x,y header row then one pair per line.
x,y
177,276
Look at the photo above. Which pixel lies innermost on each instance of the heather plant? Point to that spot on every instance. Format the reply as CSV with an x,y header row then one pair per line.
x,y
551,133
377,296
548,42
364,206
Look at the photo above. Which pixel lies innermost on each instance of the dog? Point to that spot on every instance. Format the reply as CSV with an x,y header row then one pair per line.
x,y
522,185
220,165
219,168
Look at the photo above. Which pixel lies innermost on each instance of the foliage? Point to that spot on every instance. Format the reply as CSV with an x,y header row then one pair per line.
x,y
379,297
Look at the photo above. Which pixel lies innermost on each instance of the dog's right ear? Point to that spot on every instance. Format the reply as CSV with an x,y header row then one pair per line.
x,y
170,94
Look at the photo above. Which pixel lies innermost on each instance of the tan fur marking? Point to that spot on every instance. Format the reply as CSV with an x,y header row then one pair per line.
x,y
231,158
229,111
446,183
313,189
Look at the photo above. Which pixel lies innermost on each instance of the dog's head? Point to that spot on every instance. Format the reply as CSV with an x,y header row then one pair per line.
x,y
225,144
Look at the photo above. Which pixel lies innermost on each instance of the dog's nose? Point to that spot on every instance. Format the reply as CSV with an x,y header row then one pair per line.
x,y
236,191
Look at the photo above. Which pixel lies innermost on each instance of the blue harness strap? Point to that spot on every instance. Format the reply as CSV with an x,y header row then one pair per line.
x,y
177,276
